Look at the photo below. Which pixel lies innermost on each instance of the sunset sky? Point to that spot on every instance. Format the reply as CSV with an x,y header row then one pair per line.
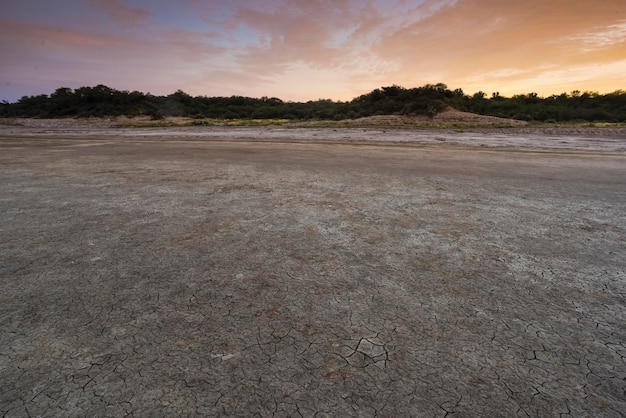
x,y
309,49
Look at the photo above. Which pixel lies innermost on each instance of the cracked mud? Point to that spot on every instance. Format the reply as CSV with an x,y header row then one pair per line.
x,y
200,278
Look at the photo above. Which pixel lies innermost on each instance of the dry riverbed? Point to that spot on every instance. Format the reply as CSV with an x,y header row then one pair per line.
x,y
311,272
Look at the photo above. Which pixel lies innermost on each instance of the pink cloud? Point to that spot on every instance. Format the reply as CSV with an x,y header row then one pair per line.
x,y
120,11
332,47
190,46
48,37
293,32
193,47
44,55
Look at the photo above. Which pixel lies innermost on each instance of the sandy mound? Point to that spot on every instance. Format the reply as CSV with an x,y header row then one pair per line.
x,y
388,120
456,116
448,116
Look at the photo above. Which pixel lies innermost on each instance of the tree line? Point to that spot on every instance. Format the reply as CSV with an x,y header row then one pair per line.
x,y
100,101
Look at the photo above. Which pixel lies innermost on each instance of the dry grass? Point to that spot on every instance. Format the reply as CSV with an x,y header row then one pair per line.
x,y
9,122
185,122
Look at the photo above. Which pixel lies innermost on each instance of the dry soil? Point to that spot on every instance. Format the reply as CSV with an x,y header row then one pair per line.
x,y
156,275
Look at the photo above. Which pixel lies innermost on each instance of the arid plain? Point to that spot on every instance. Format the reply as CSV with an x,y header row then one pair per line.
x,y
312,272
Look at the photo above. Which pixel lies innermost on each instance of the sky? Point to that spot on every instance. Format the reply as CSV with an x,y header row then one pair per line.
x,y
302,50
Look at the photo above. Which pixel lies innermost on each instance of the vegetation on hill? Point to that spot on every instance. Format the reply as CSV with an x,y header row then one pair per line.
x,y
394,100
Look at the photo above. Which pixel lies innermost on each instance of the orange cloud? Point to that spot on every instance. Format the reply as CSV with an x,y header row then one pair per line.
x,y
474,37
431,41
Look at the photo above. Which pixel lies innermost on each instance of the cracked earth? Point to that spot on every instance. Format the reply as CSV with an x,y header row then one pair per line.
x,y
210,278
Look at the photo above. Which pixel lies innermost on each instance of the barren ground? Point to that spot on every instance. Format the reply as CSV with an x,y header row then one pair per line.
x,y
242,273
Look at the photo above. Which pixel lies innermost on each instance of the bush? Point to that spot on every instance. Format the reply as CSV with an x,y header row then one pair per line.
x,y
523,116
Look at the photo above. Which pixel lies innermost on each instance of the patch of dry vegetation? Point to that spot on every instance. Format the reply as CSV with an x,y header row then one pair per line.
x,y
186,122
